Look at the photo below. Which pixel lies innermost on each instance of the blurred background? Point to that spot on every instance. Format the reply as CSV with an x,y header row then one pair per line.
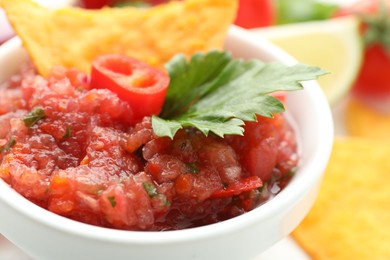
x,y
351,40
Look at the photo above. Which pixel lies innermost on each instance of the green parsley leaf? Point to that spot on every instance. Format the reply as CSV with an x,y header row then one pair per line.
x,y
150,189
68,132
112,201
215,93
6,147
36,114
192,167
163,200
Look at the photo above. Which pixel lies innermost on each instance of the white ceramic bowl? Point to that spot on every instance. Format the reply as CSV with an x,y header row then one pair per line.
x,y
45,235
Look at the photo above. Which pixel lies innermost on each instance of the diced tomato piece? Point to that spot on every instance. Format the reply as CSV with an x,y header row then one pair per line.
x,y
243,185
184,183
258,148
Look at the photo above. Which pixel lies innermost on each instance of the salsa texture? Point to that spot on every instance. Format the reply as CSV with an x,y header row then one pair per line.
x,y
76,151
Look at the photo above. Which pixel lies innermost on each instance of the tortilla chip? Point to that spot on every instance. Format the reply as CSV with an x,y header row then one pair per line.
x,y
364,121
350,218
73,37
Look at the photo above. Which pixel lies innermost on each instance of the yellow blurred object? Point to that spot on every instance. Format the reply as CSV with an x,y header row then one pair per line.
x,y
365,121
73,37
334,45
350,218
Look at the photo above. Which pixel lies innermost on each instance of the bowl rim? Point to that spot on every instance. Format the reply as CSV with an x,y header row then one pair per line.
x,y
265,211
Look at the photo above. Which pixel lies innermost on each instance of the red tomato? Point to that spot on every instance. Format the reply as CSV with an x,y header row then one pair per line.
x,y
258,147
260,153
373,80
141,85
374,77
255,13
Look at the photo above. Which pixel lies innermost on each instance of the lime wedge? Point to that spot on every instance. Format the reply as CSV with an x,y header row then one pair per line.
x,y
334,45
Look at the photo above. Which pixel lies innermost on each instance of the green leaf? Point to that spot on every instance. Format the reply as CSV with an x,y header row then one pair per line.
x,y
5,148
192,167
185,75
377,27
36,114
68,132
296,11
215,93
163,127
150,189
112,201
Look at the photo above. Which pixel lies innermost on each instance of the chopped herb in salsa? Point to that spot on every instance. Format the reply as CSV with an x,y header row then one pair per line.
x,y
36,114
5,148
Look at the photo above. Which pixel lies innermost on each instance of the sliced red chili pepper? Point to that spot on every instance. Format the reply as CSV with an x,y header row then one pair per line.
x,y
134,81
243,185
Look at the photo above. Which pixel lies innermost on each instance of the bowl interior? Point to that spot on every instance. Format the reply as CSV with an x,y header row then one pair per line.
x,y
268,223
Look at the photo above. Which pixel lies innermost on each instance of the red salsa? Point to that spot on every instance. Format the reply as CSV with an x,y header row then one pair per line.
x,y
76,151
